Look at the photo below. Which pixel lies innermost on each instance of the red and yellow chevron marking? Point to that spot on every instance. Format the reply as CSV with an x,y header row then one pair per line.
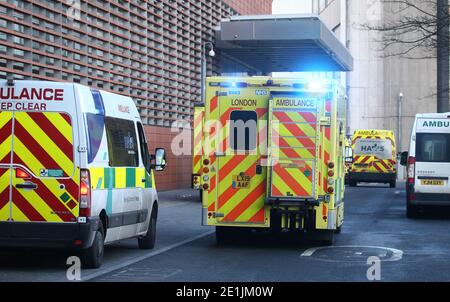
x,y
371,164
4,193
241,205
292,179
44,141
5,136
294,144
198,141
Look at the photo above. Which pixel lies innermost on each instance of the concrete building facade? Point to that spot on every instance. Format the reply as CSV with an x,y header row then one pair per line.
x,y
149,50
379,82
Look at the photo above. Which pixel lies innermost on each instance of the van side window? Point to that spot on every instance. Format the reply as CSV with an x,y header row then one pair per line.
x,y
144,147
95,126
122,143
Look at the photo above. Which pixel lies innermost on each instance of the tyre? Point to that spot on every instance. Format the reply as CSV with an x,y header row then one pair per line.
x,y
323,237
147,242
223,235
393,184
412,211
353,183
93,257
338,230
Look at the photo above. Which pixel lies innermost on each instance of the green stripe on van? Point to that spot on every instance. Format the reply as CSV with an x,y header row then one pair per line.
x,y
110,178
131,177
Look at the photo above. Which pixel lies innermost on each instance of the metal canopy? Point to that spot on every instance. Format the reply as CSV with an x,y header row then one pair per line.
x,y
284,43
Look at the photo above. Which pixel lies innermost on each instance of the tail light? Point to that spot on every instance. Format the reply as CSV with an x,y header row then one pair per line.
x,y
22,174
330,180
85,193
411,169
411,175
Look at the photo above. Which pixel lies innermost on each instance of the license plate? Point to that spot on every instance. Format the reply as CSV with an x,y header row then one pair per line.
x,y
430,182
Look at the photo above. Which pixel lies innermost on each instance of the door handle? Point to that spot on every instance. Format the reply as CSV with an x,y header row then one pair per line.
x,y
27,185
143,180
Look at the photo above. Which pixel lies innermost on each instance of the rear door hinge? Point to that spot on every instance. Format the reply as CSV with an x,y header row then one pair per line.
x,y
82,149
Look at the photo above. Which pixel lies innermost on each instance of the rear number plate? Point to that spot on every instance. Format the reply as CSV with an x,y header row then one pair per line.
x,y
427,182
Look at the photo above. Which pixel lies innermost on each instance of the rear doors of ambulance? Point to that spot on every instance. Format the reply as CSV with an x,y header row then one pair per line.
x,y
432,168
38,175
241,175
293,145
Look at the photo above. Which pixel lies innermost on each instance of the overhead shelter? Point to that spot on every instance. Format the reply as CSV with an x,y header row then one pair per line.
x,y
283,43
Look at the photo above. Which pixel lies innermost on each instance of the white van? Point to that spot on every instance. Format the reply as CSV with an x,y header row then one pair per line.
x,y
428,162
74,169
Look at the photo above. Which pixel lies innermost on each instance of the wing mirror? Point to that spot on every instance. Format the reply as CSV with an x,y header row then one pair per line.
x,y
159,159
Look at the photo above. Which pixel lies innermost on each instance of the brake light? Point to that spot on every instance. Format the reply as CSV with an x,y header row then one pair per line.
x,y
85,194
22,174
411,169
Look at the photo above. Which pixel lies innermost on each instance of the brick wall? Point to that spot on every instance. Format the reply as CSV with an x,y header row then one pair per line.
x,y
251,7
179,168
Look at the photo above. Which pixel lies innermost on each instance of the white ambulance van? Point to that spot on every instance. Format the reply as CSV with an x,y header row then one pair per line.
x,y
75,171
428,163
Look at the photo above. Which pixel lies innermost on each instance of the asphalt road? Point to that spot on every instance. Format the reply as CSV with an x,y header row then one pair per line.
x,y
375,225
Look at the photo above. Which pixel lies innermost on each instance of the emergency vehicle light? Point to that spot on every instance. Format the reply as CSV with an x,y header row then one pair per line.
x,y
233,85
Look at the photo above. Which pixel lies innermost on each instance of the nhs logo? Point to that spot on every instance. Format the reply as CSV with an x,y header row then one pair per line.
x,y
261,92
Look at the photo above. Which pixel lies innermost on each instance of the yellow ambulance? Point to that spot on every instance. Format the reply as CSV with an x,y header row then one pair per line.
x,y
273,156
374,157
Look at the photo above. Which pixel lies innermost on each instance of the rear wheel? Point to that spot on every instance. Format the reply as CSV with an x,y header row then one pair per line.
x,y
323,237
412,211
353,183
147,242
393,184
223,235
93,257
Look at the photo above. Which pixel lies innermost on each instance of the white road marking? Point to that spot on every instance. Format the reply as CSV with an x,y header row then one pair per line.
x,y
396,254
112,268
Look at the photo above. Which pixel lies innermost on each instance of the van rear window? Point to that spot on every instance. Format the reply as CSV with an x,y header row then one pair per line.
x,y
433,147
95,125
122,143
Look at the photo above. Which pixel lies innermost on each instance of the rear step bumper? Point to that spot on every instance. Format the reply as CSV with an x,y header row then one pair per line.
x,y
372,177
47,234
431,199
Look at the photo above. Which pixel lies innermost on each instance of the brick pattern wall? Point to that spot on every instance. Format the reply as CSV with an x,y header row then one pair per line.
x,y
179,168
251,7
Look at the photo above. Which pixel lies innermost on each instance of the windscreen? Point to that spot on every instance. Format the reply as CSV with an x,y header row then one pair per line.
x,y
380,148
433,147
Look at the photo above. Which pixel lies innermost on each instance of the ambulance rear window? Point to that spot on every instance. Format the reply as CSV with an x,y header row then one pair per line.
x,y
243,132
433,147
122,143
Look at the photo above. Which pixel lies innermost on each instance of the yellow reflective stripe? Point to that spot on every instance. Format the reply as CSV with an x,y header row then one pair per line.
x,y
48,144
17,214
61,124
121,178
227,182
140,174
254,207
5,117
5,147
40,205
97,178
281,128
4,180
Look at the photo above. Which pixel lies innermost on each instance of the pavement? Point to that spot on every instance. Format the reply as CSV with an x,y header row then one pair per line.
x,y
377,242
